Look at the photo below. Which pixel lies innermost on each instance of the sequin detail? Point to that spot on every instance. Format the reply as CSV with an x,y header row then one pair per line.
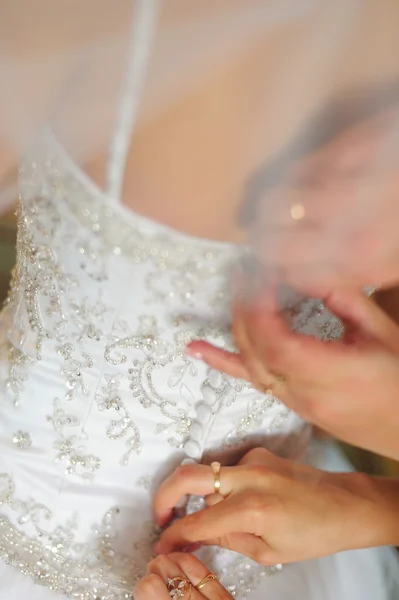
x,y
48,293
110,399
55,559
97,321
22,439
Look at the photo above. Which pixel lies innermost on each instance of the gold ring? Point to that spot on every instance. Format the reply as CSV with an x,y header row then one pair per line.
x,y
372,294
297,212
207,579
268,390
280,378
178,587
215,466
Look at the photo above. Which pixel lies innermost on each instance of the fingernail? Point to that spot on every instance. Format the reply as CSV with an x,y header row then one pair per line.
x,y
157,548
194,353
192,547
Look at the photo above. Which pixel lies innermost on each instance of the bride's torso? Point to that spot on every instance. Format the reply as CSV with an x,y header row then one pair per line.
x,y
101,401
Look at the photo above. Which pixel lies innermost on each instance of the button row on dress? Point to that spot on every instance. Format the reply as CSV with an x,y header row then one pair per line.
x,y
193,446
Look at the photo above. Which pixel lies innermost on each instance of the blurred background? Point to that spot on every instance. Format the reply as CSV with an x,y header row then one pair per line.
x,y
363,461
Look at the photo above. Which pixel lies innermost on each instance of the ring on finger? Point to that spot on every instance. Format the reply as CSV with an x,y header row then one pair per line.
x,y
179,587
207,579
216,466
279,377
276,378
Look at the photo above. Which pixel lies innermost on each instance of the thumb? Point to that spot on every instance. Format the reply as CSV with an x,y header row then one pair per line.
x,y
364,316
246,544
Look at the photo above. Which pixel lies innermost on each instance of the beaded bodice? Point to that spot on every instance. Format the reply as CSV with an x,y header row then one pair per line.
x,y
101,401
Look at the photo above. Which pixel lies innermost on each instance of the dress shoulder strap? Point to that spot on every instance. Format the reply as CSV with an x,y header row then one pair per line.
x,y
144,25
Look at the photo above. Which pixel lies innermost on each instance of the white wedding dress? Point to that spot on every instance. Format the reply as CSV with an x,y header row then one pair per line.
x,y
100,401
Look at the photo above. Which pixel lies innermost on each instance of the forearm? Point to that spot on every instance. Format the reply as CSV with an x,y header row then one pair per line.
x,y
386,502
378,523
369,515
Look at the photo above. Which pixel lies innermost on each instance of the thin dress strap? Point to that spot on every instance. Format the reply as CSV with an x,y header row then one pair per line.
x,y
145,20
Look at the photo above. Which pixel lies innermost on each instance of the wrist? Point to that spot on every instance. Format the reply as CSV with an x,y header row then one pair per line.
x,y
386,503
379,497
374,505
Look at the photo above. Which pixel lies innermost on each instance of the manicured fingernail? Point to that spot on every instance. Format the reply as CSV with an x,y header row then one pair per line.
x,y
192,547
194,353
157,548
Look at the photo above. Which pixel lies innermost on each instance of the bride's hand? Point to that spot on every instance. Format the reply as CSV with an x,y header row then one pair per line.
x,y
348,388
165,573
278,511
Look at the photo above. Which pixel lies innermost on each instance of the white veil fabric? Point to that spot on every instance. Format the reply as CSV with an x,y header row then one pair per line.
x,y
99,72
319,69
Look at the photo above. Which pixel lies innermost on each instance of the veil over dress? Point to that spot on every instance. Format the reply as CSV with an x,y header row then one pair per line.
x,y
99,401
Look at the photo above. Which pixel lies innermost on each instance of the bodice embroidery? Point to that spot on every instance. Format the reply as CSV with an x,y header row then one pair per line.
x,y
102,305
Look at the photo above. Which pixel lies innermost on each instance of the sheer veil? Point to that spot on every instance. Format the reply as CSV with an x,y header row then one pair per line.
x,y
330,66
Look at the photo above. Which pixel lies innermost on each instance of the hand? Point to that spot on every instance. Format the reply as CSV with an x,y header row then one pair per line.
x,y
277,511
349,388
154,586
331,219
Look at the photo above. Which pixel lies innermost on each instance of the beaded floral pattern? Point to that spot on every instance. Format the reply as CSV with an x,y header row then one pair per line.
x,y
54,558
101,307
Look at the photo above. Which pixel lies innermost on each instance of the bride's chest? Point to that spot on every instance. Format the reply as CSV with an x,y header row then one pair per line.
x,y
100,330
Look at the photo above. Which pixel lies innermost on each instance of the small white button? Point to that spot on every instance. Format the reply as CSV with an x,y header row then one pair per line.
x,y
209,395
215,378
193,449
203,412
188,461
196,432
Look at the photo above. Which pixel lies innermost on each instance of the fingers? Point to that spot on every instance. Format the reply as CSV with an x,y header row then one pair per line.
x,y
247,544
189,567
196,571
217,521
269,348
151,587
262,456
257,369
294,355
219,359
186,480
165,569
198,480
277,350
366,316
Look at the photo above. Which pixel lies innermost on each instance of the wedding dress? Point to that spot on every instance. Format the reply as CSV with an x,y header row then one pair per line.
x,y
100,402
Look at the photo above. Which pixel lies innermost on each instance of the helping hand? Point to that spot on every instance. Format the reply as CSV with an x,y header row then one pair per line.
x,y
274,510
184,572
348,388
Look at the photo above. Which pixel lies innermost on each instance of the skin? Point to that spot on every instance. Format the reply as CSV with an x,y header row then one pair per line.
x,y
346,187
233,119
214,171
277,511
265,498
347,388
153,585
